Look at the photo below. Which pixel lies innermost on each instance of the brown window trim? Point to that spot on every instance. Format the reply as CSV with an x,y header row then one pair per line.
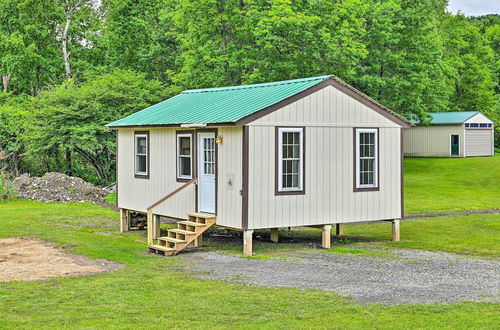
x,y
193,154
355,163
277,192
141,176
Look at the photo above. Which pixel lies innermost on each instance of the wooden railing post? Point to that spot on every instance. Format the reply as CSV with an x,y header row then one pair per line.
x,y
150,227
154,220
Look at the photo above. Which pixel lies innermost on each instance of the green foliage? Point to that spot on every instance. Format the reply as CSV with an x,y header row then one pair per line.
x,y
403,69
71,118
7,192
111,198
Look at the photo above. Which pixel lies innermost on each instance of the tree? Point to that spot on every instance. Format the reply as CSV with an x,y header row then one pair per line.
x,y
226,42
403,69
73,117
471,63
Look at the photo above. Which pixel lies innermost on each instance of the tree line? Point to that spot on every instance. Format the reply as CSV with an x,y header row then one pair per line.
x,y
70,66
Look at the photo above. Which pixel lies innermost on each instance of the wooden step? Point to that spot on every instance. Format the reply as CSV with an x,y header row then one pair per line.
x,y
181,231
171,240
191,223
202,215
161,248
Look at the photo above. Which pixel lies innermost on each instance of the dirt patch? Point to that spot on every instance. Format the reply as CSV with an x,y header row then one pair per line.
x,y
57,187
31,260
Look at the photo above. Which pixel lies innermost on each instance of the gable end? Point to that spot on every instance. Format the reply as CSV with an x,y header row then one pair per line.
x,y
341,86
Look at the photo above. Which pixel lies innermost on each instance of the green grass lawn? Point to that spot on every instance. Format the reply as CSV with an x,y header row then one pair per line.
x,y
451,184
154,292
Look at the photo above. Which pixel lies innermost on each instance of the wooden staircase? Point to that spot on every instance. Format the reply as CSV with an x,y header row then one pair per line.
x,y
187,231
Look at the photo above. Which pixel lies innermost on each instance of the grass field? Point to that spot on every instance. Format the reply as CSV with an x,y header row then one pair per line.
x,y
451,184
153,291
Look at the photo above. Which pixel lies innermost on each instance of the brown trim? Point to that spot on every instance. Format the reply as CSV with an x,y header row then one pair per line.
x,y
401,142
193,151
142,176
244,186
276,163
171,194
355,164
338,84
216,132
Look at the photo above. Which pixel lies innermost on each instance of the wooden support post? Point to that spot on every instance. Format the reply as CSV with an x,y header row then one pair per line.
x,y
326,236
150,228
198,241
247,243
274,235
156,226
124,220
339,229
395,230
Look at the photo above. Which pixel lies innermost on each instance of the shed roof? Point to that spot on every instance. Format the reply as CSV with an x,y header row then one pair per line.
x,y
442,118
229,105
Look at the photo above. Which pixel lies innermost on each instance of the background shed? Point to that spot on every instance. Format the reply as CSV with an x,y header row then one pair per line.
x,y
451,134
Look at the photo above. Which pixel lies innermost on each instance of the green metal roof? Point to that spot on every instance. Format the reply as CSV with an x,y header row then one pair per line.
x,y
217,105
441,118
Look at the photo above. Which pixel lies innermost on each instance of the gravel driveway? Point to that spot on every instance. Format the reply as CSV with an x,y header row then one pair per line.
x,y
413,276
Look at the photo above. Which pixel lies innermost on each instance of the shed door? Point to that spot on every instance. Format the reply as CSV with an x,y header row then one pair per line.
x,y
454,145
206,172
478,142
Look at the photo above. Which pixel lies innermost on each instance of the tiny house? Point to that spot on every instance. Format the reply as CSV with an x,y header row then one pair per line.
x,y
451,134
307,152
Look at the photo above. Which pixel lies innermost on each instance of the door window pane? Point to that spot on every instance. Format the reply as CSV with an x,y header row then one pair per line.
x,y
209,156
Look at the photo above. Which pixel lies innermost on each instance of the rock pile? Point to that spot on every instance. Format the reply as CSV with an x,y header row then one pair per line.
x,y
57,187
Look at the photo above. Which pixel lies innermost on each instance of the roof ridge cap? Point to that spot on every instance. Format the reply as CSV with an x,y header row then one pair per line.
x,y
259,85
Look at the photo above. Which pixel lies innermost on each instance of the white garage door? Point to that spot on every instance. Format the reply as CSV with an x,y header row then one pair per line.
x,y
478,142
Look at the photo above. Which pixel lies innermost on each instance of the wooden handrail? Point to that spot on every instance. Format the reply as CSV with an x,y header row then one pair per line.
x,y
172,193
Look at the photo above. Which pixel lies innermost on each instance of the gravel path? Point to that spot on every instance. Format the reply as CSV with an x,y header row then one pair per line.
x,y
412,276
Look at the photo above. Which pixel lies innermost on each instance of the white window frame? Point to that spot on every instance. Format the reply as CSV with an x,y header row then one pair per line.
x,y
190,136
358,159
282,130
136,154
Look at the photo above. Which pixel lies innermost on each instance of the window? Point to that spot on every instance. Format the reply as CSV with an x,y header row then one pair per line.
x,y
290,157
474,125
184,156
483,125
142,154
466,125
366,161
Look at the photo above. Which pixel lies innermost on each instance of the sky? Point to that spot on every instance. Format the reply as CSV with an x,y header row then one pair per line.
x,y
474,7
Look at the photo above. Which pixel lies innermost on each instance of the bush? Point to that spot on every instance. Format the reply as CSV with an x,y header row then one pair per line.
x,y
7,192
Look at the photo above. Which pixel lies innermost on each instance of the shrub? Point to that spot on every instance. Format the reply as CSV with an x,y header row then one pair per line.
x,y
7,192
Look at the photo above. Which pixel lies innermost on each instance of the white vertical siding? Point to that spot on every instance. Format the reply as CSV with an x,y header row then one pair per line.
x,y
137,194
432,141
329,117
229,177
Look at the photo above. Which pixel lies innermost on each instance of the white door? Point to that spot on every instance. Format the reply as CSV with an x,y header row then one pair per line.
x,y
206,172
478,142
